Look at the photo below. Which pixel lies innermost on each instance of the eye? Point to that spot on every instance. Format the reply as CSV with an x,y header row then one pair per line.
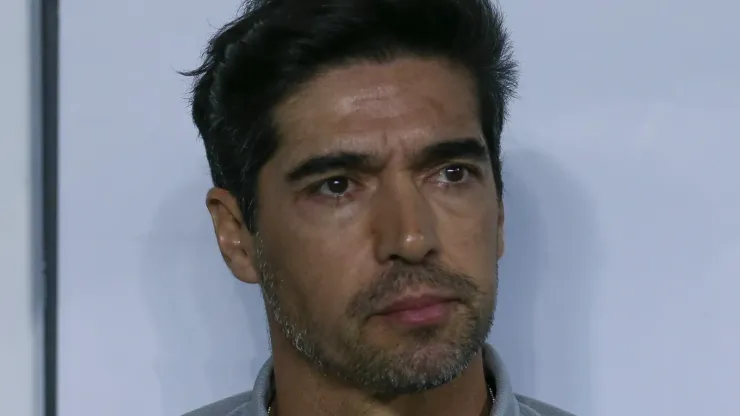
x,y
452,174
335,186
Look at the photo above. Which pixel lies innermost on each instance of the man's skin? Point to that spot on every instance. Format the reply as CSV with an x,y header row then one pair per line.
x,y
326,234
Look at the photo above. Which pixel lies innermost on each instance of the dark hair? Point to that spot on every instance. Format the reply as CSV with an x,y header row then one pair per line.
x,y
258,59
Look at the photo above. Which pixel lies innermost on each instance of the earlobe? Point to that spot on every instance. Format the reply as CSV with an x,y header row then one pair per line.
x,y
234,240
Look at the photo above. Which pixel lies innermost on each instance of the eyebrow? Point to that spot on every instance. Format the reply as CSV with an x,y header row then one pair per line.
x,y
434,154
339,161
456,149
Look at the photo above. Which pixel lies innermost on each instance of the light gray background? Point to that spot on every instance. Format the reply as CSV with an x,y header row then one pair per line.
x,y
21,286
619,286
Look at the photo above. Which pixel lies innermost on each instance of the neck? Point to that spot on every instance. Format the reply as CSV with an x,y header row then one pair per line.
x,y
301,390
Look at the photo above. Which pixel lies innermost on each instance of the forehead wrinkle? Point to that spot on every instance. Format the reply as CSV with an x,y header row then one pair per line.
x,y
305,147
349,103
357,109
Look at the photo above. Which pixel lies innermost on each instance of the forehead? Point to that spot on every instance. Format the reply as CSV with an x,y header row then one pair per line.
x,y
404,103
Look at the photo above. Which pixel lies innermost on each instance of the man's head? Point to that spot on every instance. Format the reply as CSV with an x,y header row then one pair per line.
x,y
355,151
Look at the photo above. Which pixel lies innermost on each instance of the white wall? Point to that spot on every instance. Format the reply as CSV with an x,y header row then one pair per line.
x,y
623,265
21,293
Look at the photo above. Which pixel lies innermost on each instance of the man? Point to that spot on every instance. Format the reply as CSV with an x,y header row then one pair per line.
x,y
355,150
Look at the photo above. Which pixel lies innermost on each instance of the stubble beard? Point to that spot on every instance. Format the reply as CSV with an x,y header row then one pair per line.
x,y
424,360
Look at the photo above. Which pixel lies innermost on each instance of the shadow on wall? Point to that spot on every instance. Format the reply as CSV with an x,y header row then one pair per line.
x,y
210,328
546,280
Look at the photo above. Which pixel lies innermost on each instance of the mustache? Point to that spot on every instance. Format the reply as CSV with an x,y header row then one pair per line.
x,y
403,276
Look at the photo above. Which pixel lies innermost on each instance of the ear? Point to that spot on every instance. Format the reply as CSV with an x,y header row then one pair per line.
x,y
234,240
500,229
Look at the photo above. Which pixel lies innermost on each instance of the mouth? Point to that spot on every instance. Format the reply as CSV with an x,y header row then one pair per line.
x,y
419,310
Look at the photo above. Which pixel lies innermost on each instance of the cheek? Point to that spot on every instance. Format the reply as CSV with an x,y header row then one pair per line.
x,y
326,266
470,240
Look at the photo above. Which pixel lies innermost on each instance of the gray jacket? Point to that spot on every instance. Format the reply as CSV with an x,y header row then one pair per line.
x,y
507,403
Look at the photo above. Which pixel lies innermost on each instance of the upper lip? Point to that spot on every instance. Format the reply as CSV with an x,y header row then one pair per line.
x,y
417,301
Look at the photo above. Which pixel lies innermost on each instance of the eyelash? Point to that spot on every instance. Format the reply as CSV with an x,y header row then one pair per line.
x,y
315,188
471,170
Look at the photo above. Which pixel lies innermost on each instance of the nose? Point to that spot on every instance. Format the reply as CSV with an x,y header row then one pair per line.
x,y
404,225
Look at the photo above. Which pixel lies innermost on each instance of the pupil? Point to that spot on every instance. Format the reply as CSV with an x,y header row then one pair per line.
x,y
337,185
454,174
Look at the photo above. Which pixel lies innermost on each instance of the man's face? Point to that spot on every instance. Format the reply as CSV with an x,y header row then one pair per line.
x,y
379,228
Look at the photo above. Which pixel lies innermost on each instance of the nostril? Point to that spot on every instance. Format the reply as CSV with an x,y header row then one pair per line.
x,y
395,258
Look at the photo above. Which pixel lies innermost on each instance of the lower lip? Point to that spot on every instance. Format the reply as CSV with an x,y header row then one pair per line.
x,y
427,315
